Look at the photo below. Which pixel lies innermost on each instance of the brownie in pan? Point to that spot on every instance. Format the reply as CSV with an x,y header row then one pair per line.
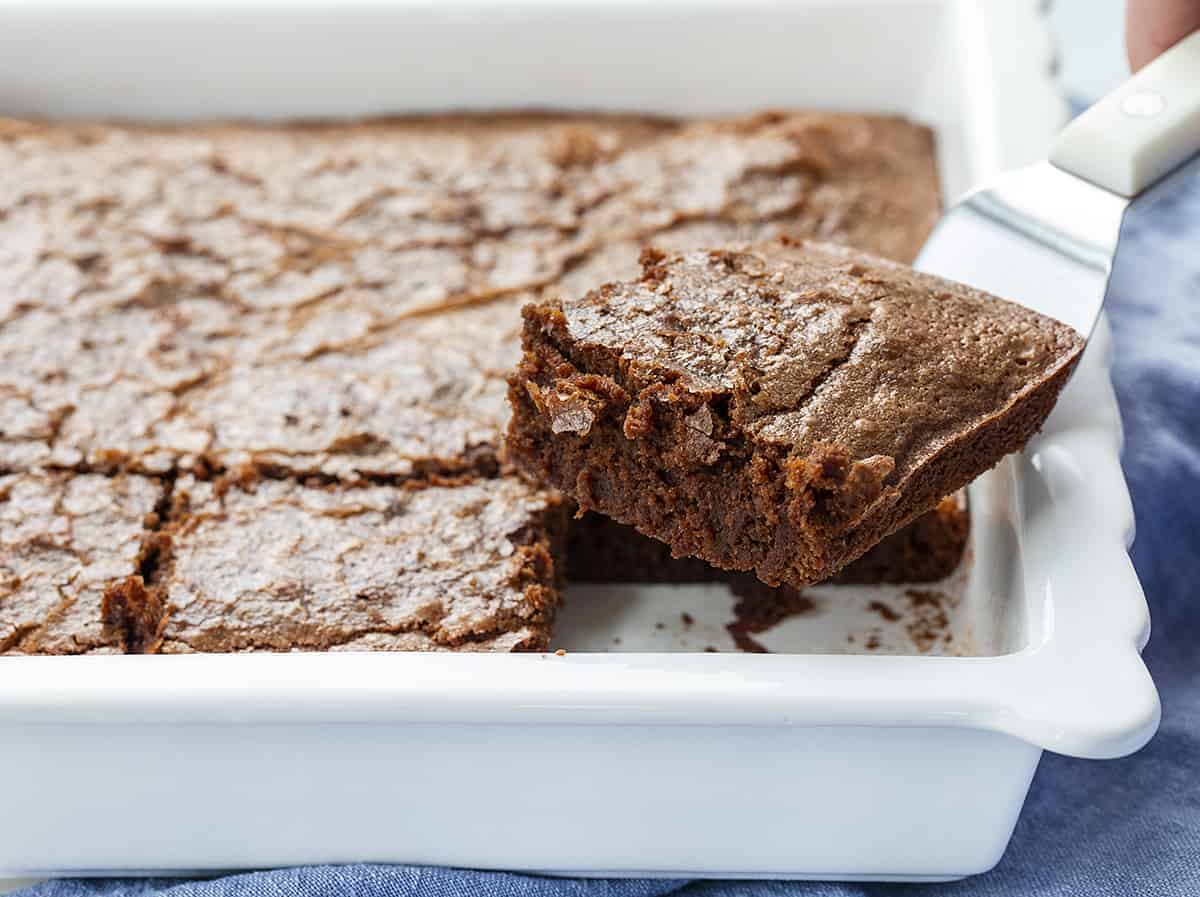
x,y
326,308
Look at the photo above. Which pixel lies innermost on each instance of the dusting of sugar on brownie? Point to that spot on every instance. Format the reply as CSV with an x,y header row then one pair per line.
x,y
276,565
64,540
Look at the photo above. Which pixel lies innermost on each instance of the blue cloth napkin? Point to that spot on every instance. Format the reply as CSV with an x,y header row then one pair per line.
x,y
1115,828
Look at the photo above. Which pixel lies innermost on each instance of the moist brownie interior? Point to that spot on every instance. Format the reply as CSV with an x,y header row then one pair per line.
x,y
336,306
780,408
928,549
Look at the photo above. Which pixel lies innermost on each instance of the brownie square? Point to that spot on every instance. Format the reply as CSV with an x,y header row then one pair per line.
x,y
102,387
65,539
780,409
600,550
157,390
279,565
418,398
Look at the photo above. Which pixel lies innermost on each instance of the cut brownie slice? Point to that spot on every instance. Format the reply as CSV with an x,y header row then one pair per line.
x,y
64,539
276,565
780,409
930,548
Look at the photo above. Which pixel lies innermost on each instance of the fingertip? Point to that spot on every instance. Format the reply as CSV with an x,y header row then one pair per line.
x,y
1136,51
1154,26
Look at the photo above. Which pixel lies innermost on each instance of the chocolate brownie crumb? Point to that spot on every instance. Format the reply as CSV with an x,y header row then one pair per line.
x,y
760,608
884,610
930,618
134,614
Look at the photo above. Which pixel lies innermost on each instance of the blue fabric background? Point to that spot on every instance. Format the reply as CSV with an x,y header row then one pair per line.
x,y
1117,828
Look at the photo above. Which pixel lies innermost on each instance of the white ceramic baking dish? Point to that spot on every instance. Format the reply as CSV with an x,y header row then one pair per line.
x,y
651,757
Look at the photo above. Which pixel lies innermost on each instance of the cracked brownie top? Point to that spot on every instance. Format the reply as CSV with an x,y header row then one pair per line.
x,y
238,293
63,539
802,344
279,565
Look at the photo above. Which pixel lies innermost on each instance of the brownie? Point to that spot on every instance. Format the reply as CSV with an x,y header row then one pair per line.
x,y
64,539
426,397
279,565
928,549
153,392
600,550
778,409
337,305
240,294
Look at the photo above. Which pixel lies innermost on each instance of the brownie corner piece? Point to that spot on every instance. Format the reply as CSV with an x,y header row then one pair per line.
x,y
780,408
282,565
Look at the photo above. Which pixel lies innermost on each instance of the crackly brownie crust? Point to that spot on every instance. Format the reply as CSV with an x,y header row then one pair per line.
x,y
340,301
240,294
930,548
64,539
277,565
154,391
780,409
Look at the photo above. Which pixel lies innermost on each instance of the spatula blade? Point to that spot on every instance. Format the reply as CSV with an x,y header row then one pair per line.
x,y
1037,236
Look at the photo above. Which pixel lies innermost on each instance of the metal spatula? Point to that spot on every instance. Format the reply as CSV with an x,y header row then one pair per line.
x,y
1045,236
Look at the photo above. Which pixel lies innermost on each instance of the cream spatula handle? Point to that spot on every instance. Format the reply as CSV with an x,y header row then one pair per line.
x,y
1142,130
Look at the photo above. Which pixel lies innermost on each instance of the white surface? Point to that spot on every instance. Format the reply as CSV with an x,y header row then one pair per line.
x,y
1143,129
842,620
936,59
828,801
684,763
